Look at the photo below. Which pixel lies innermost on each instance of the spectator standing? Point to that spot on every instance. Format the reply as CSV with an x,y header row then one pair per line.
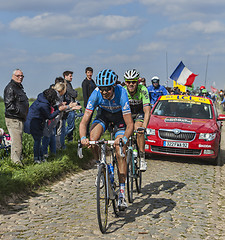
x,y
49,138
221,93
61,125
142,81
16,109
88,86
49,132
156,90
71,95
39,112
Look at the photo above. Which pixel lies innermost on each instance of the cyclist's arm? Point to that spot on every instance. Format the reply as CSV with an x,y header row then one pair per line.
x,y
92,103
129,125
146,106
83,126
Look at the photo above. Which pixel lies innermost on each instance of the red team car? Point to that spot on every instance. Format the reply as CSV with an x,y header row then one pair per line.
x,y
185,126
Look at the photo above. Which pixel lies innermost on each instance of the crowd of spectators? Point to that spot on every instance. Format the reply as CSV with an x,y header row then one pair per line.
x,y
45,119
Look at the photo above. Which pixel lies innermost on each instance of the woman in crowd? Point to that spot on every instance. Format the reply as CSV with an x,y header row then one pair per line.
x,y
38,113
49,138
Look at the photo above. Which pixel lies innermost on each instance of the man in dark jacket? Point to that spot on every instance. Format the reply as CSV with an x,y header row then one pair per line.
x,y
16,109
88,86
71,94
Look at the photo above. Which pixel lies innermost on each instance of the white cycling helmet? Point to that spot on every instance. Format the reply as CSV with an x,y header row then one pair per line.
x,y
131,75
155,79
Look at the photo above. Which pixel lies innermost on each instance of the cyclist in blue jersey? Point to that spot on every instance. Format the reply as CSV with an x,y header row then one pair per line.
x,y
113,107
156,90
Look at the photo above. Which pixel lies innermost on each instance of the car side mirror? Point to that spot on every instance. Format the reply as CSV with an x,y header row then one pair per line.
x,y
221,117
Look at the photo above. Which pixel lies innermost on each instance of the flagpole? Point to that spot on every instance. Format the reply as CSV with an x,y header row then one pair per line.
x,y
206,68
166,71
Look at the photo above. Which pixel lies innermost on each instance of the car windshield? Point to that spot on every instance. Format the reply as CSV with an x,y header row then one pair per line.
x,y
183,109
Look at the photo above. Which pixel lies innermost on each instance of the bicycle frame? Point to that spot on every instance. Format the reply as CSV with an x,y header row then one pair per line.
x,y
107,191
132,141
111,194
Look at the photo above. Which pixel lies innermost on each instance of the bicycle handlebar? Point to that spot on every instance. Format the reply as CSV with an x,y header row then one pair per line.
x,y
100,142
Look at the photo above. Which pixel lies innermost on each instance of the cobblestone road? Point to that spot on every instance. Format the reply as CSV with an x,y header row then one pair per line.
x,y
180,200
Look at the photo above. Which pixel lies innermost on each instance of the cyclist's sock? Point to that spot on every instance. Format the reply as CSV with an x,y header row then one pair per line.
x,y
122,190
142,155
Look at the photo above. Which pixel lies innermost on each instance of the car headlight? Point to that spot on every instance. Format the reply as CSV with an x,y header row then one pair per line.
x,y
207,136
150,131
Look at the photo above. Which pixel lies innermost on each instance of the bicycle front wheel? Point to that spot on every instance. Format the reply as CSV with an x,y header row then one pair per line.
x,y
138,179
130,176
116,186
102,200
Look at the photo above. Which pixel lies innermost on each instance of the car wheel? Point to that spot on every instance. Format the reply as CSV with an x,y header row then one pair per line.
x,y
148,155
218,160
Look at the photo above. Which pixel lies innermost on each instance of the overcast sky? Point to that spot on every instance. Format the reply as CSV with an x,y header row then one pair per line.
x,y
46,37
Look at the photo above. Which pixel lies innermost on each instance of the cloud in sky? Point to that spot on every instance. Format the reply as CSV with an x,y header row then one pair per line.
x,y
1,26
55,57
197,27
62,26
93,7
35,6
186,9
152,46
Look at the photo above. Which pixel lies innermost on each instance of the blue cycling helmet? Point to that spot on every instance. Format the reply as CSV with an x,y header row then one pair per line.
x,y
106,77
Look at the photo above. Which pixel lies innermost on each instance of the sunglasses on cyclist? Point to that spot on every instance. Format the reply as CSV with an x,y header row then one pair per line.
x,y
129,82
105,88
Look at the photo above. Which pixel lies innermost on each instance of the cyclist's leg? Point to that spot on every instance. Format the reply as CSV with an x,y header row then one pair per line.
x,y
122,167
141,141
98,127
120,130
96,131
140,136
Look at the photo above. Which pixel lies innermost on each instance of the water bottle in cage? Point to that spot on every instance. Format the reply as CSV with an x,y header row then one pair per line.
x,y
111,172
135,154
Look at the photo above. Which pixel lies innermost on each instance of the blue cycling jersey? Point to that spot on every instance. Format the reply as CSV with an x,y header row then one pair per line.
x,y
155,93
119,101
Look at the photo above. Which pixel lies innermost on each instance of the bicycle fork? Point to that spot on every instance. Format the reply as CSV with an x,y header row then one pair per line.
x,y
130,148
110,193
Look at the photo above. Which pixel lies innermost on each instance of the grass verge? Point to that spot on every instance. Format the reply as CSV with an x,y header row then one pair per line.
x,y
16,181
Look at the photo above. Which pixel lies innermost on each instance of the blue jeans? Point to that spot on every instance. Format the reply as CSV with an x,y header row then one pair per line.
x,y
49,141
63,134
70,122
38,151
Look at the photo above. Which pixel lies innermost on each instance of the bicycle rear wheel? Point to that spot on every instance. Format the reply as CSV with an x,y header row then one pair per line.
x,y
102,200
130,176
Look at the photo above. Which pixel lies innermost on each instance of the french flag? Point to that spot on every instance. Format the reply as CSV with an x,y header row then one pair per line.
x,y
183,75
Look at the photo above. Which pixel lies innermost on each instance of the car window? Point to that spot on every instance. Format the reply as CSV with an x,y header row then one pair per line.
x,y
183,109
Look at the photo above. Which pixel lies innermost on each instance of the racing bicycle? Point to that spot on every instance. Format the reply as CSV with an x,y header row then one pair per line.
x,y
107,187
133,166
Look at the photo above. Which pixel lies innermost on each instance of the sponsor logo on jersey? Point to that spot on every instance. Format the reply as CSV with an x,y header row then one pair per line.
x,y
126,106
89,105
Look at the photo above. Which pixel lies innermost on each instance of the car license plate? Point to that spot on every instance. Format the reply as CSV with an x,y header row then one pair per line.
x,y
175,144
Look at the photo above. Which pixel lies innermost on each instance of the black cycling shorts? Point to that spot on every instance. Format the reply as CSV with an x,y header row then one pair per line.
x,y
139,117
104,118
